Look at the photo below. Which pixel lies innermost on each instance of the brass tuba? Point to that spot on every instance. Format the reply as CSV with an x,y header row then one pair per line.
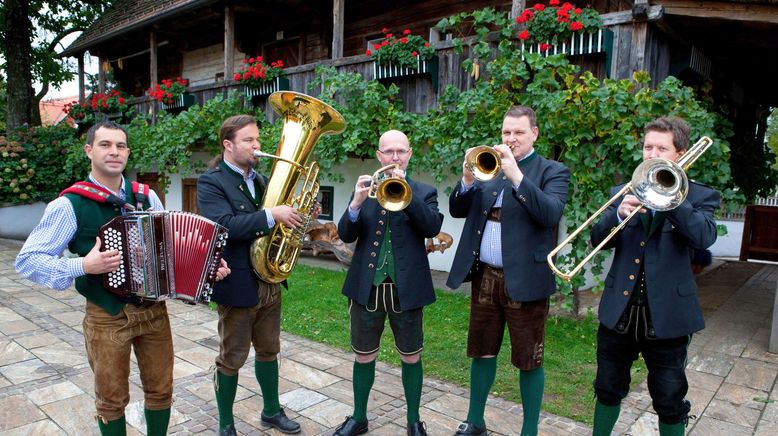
x,y
484,162
392,193
659,184
305,119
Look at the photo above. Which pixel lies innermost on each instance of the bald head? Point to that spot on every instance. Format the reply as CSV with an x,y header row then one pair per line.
x,y
394,148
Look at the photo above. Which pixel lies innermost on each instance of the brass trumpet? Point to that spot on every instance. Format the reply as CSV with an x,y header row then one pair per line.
x,y
392,193
484,162
659,184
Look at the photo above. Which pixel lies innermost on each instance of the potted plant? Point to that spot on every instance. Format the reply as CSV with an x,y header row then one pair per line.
x,y
261,79
171,94
405,55
562,28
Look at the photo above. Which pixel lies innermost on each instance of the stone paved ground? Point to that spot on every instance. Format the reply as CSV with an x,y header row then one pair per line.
x,y
46,384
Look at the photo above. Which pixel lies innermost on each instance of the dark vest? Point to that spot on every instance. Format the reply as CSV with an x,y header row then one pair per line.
x,y
90,215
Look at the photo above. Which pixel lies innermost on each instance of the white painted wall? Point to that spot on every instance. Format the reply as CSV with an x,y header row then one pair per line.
x,y
729,244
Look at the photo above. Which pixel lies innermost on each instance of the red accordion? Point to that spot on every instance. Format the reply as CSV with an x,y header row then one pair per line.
x,y
164,255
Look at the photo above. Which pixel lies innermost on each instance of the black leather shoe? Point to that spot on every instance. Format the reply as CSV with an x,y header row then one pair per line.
x,y
351,427
280,422
470,429
228,431
417,429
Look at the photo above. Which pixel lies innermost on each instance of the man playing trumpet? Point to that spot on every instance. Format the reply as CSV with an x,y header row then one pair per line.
x,y
508,233
389,276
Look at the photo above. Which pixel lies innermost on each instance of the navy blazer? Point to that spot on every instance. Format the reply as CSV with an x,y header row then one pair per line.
x,y
665,252
222,197
529,217
410,227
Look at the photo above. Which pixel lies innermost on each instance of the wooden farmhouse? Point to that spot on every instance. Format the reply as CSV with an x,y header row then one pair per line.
x,y
731,44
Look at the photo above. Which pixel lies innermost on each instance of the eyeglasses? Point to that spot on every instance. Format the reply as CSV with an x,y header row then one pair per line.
x,y
399,153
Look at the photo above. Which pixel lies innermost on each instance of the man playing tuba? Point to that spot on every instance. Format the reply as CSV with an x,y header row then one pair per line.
x,y
231,193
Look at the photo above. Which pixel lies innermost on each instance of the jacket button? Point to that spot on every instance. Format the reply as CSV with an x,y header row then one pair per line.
x,y
372,254
383,212
523,198
637,260
626,293
371,266
242,206
642,243
478,232
381,222
632,276
258,233
505,177
375,244
494,194
486,212
378,232
474,253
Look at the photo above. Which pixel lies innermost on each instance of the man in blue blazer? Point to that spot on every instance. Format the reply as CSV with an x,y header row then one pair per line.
x,y
650,304
389,276
509,230
230,193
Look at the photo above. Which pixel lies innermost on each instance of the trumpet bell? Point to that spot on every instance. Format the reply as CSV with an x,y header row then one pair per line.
x,y
392,193
484,162
660,184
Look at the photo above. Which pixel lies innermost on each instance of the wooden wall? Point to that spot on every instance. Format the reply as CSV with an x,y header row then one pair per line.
x,y
202,66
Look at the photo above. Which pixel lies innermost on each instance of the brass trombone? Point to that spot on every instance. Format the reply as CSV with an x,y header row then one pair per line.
x,y
659,184
484,162
392,193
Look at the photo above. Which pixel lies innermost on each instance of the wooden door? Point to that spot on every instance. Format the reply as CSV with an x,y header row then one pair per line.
x,y
189,196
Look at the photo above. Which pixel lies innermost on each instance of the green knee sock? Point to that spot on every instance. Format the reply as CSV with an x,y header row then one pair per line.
x,y
267,376
364,375
117,427
225,387
482,373
672,429
605,418
531,385
157,421
412,376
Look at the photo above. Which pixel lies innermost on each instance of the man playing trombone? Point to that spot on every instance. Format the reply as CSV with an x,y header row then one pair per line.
x,y
508,233
650,304
389,275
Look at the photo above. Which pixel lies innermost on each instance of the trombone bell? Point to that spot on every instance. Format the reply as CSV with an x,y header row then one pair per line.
x,y
392,193
484,162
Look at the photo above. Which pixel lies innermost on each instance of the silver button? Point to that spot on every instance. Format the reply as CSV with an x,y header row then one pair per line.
x,y
375,244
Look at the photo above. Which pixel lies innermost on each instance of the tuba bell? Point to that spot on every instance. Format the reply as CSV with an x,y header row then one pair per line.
x,y
484,162
305,119
659,184
392,193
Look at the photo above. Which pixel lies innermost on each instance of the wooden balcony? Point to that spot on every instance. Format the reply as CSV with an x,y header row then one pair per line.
x,y
418,91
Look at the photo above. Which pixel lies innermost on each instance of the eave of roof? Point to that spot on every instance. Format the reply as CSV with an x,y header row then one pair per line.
x,y
126,16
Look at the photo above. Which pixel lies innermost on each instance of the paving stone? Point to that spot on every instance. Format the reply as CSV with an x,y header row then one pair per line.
x,y
62,413
329,413
752,375
37,339
61,355
11,352
16,411
15,327
343,391
27,370
55,392
707,426
712,363
305,375
741,395
301,398
317,359
732,413
134,413
701,380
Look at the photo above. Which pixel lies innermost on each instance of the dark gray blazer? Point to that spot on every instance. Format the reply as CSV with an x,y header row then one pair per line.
x,y
410,227
529,217
223,197
665,252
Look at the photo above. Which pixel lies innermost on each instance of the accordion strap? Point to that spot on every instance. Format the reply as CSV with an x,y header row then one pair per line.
x,y
96,193
141,192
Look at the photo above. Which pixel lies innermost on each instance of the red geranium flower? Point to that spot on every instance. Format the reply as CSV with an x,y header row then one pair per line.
x,y
524,35
575,26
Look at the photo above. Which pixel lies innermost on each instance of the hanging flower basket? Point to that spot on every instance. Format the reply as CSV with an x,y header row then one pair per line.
x,y
182,101
389,71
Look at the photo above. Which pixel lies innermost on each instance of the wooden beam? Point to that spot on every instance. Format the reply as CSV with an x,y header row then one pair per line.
x,y
655,13
153,58
101,74
517,7
338,7
81,89
229,42
640,8
734,11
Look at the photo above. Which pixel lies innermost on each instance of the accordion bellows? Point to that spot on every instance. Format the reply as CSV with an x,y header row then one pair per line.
x,y
164,255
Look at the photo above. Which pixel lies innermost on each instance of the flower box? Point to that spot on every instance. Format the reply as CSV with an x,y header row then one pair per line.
x,y
278,84
183,101
389,71
581,44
